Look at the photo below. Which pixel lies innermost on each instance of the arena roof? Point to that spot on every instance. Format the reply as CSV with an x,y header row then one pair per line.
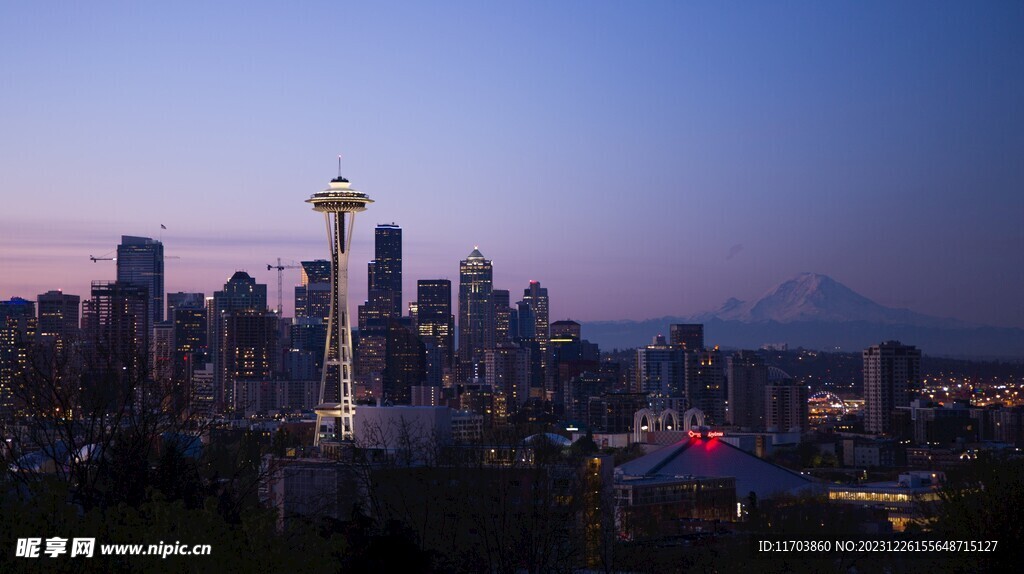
x,y
712,457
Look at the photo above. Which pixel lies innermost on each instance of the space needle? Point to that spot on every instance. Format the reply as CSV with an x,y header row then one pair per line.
x,y
334,413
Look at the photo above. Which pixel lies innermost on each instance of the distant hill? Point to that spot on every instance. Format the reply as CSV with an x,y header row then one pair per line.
x,y
816,312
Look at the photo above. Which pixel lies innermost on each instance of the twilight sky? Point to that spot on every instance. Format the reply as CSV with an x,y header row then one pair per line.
x,y
639,159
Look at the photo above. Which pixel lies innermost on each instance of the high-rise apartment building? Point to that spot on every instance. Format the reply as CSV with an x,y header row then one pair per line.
x,y
17,334
660,370
747,377
140,262
892,373
58,315
689,336
705,383
477,330
785,406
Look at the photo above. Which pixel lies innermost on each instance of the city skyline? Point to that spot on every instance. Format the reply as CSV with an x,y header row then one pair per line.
x,y
875,146
633,286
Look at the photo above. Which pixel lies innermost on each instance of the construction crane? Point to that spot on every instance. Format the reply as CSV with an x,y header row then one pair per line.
x,y
102,258
280,273
105,258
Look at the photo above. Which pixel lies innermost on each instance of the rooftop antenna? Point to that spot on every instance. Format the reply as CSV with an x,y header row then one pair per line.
x,y
339,166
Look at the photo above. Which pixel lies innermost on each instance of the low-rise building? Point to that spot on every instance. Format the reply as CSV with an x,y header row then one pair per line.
x,y
905,501
658,506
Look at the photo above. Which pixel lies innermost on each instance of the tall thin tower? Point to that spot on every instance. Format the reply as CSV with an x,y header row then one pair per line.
x,y
334,413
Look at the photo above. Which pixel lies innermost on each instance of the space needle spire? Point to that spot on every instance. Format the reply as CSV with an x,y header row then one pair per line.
x,y
334,413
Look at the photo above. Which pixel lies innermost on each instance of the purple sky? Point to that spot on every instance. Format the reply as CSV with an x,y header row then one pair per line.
x,y
639,160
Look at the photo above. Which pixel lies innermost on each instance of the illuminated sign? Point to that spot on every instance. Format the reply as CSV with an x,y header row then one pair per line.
x,y
706,434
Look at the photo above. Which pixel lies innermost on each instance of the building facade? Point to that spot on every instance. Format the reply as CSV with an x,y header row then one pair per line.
x,y
892,374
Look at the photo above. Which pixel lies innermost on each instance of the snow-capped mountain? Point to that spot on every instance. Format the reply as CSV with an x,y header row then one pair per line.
x,y
817,297
816,312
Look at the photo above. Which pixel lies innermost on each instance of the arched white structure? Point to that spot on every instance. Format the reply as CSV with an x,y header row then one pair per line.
x,y
696,415
669,419
646,420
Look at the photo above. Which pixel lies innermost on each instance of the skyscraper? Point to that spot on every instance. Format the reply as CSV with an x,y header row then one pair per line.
x,y
537,298
476,313
161,351
383,277
892,373
435,322
569,356
241,292
249,352
386,270
190,343
508,371
405,363
312,310
527,328
335,411
114,324
140,262
502,315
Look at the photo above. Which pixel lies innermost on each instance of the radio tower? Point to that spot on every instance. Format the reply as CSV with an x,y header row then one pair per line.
x,y
334,413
